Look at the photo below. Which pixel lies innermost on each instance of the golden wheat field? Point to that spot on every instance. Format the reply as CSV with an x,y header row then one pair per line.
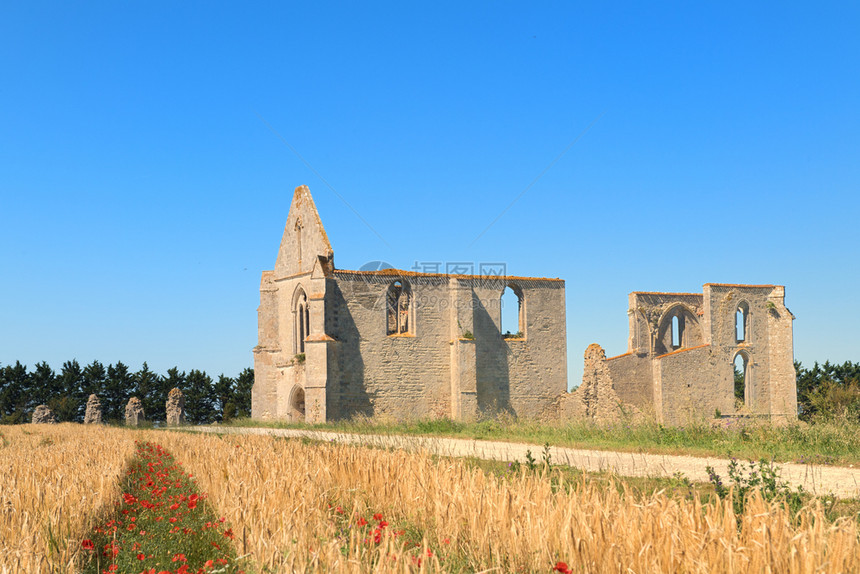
x,y
293,504
54,479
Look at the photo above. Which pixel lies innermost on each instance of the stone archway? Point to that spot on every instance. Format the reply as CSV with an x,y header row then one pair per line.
x,y
297,405
678,329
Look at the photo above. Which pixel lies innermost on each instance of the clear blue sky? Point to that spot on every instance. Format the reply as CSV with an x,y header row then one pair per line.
x,y
141,194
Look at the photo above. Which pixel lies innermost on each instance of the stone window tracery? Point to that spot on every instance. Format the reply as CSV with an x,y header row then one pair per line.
x,y
399,309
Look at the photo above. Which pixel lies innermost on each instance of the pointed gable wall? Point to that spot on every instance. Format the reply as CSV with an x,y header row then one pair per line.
x,y
304,240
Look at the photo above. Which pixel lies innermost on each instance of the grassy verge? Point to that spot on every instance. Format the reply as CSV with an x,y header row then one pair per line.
x,y
162,524
834,442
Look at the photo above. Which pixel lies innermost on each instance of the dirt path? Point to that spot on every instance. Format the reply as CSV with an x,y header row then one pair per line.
x,y
841,481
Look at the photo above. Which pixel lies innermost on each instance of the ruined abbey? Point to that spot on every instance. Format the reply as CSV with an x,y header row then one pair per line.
x,y
336,343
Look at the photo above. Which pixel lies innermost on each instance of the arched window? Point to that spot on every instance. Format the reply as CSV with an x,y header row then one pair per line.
x,y
676,332
399,308
512,313
301,321
743,389
678,328
742,323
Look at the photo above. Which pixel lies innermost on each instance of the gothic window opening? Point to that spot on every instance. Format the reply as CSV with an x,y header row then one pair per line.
x,y
301,321
676,332
512,313
743,389
742,323
399,309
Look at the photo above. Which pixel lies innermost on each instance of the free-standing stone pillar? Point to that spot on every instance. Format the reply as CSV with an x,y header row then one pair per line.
x,y
43,415
134,412
93,415
175,408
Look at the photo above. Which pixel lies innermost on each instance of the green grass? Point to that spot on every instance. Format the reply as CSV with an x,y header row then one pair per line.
x,y
828,442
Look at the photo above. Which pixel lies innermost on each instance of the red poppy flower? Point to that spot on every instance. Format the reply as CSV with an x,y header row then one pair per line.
x,y
377,516
229,533
561,567
141,557
87,544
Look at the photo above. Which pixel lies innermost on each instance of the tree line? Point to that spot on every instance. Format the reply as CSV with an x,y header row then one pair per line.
x,y
207,400
828,390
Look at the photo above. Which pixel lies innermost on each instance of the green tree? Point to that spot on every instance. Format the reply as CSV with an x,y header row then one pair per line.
x,y
242,395
740,387
147,387
199,403
118,388
71,380
94,377
225,406
43,386
815,385
14,387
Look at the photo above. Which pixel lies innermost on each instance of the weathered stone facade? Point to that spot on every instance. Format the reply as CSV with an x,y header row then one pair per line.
x,y
93,414
134,412
175,408
43,415
335,343
682,350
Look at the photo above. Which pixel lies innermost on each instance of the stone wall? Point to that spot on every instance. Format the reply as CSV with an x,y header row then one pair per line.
x,y
638,389
446,357
404,376
521,375
687,373
693,385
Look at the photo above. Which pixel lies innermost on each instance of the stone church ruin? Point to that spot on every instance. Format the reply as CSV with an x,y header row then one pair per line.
x,y
337,343
681,355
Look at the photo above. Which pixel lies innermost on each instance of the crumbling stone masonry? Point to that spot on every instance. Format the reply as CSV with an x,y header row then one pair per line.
x,y
134,412
595,398
44,415
335,343
93,414
175,408
682,350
